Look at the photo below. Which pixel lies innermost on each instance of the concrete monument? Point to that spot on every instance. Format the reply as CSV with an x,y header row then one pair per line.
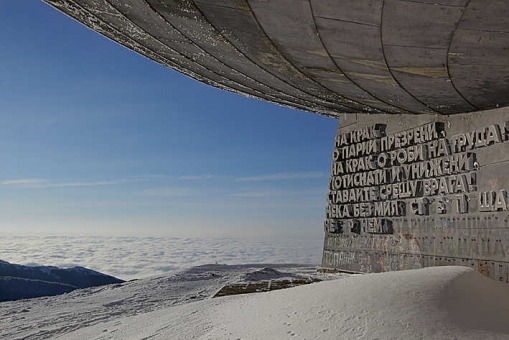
x,y
410,192
419,166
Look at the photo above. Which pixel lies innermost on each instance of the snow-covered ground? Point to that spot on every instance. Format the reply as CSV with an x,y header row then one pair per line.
x,y
50,316
430,303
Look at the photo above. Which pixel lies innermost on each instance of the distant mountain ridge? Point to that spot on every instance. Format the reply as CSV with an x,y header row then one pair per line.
x,y
24,282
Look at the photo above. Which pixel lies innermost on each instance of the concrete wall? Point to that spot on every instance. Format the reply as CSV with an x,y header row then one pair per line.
x,y
413,191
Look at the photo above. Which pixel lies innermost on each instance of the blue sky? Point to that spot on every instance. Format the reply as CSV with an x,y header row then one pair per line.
x,y
97,139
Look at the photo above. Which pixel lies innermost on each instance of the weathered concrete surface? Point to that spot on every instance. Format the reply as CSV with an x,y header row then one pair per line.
x,y
329,57
440,197
420,66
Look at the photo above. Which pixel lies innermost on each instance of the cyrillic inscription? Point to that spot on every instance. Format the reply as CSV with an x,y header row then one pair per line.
x,y
377,177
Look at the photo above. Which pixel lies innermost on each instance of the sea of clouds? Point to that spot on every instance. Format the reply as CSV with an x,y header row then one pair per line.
x,y
138,257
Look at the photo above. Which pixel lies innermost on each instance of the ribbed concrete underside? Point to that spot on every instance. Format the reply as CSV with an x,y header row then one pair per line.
x,y
325,56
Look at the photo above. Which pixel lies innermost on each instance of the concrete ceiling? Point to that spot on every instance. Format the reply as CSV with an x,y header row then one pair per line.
x,y
325,56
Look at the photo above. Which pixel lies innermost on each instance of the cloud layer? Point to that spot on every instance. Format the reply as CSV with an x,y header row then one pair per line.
x,y
137,257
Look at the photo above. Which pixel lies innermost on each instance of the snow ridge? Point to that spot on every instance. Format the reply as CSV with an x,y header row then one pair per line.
x,y
429,303
24,282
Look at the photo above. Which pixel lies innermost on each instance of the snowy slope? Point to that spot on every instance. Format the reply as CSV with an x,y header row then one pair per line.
x,y
23,282
50,316
430,303
15,288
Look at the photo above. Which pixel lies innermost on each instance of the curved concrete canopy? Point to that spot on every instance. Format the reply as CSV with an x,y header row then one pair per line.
x,y
325,56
